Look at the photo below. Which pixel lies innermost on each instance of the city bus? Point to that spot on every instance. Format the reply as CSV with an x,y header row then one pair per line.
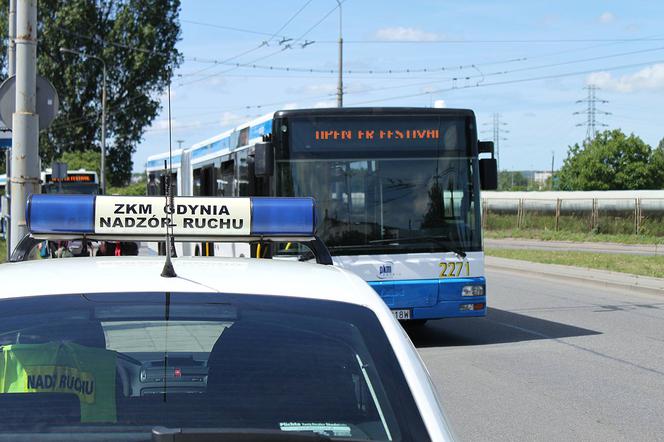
x,y
77,181
397,193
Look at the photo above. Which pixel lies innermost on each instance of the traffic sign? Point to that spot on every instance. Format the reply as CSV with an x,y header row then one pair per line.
x,y
47,101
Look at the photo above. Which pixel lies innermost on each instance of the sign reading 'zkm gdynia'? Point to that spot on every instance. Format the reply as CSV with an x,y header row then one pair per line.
x,y
191,216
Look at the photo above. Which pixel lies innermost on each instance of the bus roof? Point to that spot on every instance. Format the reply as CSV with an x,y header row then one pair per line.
x,y
375,111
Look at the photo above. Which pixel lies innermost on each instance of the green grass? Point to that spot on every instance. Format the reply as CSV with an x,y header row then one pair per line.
x,y
579,222
636,265
3,251
552,235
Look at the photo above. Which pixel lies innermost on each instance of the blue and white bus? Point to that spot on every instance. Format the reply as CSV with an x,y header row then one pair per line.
x,y
397,193
77,181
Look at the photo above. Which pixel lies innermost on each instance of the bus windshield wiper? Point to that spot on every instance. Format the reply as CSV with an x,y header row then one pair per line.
x,y
440,240
235,434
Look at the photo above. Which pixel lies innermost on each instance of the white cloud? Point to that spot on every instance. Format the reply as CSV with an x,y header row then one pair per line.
x,y
162,125
606,18
229,119
439,104
291,105
325,103
403,33
650,78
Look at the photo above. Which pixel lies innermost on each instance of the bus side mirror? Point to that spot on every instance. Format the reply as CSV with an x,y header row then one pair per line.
x,y
263,159
488,174
485,147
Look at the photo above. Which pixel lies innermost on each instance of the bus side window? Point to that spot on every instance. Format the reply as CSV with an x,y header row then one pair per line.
x,y
242,173
226,178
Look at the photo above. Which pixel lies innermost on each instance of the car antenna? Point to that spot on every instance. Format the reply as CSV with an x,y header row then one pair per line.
x,y
168,271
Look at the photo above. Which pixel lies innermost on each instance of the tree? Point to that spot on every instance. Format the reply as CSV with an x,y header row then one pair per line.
x,y
136,39
512,181
138,188
84,159
611,161
657,166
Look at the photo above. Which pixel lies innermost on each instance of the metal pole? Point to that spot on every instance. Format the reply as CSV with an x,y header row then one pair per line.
x,y
11,62
340,86
103,131
25,134
553,157
11,70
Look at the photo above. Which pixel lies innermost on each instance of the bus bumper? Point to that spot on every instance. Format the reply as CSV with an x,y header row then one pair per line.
x,y
452,309
433,298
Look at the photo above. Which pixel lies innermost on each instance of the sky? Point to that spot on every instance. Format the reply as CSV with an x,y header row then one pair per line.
x,y
528,61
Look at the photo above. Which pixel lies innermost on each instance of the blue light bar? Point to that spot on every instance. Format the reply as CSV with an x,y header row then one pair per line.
x,y
283,216
108,216
48,214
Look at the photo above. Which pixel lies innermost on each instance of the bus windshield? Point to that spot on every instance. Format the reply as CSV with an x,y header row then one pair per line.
x,y
81,188
387,196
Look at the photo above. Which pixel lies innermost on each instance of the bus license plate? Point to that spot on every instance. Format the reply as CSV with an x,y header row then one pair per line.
x,y
401,314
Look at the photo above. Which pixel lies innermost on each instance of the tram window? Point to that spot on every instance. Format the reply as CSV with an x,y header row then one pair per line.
x,y
174,184
243,139
243,173
226,178
154,185
197,182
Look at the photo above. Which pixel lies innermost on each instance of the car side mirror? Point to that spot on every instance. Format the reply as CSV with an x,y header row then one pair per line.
x,y
488,174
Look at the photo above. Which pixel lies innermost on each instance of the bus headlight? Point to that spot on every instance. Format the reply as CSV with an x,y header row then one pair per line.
x,y
472,290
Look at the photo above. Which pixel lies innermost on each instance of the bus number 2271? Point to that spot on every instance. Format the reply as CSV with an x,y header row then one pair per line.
x,y
454,269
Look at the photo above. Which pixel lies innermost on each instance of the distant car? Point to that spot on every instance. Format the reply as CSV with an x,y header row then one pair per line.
x,y
105,347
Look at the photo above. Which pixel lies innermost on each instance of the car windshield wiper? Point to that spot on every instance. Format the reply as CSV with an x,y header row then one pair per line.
x,y
440,240
249,435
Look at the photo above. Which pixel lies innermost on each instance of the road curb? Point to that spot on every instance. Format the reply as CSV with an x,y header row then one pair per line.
x,y
625,281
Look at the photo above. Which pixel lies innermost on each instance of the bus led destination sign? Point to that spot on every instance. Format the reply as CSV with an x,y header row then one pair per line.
x,y
390,136
377,134
72,178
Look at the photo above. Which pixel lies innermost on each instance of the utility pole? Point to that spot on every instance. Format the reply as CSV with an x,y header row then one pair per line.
x,y
553,157
25,121
340,85
179,143
11,70
591,112
497,137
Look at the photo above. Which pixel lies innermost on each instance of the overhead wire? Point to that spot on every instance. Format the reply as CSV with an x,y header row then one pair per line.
x,y
504,82
235,66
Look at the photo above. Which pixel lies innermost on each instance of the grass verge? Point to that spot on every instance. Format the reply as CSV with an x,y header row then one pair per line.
x,y
636,265
3,251
551,235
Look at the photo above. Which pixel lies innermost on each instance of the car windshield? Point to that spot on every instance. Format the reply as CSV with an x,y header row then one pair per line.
x,y
109,365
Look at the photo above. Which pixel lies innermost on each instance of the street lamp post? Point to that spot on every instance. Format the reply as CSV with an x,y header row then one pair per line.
x,y
103,114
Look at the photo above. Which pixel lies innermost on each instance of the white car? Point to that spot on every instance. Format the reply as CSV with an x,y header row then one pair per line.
x,y
258,349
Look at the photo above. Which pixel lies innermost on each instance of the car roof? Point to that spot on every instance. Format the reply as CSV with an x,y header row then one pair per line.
x,y
194,274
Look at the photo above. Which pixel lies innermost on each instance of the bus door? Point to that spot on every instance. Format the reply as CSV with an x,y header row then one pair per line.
x,y
229,186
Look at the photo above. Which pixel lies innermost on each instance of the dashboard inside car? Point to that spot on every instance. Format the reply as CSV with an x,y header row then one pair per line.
x,y
144,374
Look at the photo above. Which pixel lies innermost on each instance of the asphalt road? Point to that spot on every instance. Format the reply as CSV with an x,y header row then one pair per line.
x,y
552,360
